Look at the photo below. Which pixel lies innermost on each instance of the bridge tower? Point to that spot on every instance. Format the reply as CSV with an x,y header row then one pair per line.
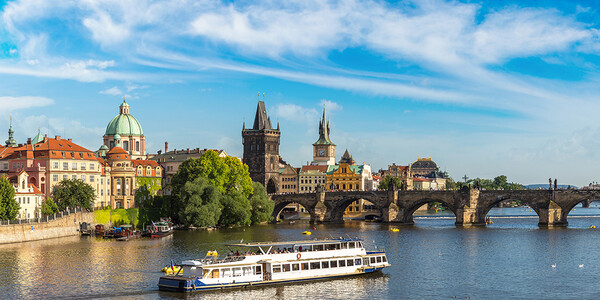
x,y
261,150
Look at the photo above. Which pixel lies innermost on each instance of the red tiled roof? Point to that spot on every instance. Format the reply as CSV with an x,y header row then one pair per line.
x,y
316,167
419,179
117,150
141,162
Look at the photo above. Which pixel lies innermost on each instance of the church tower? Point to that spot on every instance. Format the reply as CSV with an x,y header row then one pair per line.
x,y
261,150
323,148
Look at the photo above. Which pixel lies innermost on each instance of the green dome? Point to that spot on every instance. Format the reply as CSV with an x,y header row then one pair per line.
x,y
125,125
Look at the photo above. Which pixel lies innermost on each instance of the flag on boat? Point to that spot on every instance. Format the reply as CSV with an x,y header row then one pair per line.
x,y
172,266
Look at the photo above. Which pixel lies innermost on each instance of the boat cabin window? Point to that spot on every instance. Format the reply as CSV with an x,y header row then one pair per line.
x,y
384,259
325,264
357,261
315,265
214,273
205,273
286,267
257,270
351,245
366,261
247,271
237,272
318,247
304,266
342,263
276,268
378,259
332,246
350,262
373,260
344,245
295,267
334,263
226,272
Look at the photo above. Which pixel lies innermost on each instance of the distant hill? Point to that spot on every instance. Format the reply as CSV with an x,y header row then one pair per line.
x,y
545,186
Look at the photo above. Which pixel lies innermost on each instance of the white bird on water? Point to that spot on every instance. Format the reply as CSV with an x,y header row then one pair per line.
x,y
581,265
554,266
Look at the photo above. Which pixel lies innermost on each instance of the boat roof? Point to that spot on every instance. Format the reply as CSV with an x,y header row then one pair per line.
x,y
293,243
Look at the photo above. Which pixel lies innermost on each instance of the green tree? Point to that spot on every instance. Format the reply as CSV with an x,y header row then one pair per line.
x,y
9,208
227,174
500,182
236,209
73,193
387,183
49,207
199,202
262,206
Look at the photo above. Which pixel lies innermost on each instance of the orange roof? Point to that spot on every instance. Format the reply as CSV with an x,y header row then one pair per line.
x,y
141,162
419,179
117,150
322,168
49,148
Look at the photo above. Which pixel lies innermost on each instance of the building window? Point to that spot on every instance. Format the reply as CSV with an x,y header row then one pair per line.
x,y
91,178
55,165
91,166
74,177
74,166
112,144
126,192
65,166
83,167
101,192
137,146
126,145
118,186
55,177
65,177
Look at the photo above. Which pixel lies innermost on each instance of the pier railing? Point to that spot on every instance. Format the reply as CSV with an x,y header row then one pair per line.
x,y
48,218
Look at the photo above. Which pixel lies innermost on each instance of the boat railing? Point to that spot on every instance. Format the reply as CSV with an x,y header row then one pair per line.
x,y
213,259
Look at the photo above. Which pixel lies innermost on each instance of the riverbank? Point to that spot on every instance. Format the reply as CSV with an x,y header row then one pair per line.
x,y
67,225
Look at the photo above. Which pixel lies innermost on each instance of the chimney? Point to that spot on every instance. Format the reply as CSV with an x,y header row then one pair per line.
x,y
166,147
197,150
70,140
175,151
188,150
28,141
57,137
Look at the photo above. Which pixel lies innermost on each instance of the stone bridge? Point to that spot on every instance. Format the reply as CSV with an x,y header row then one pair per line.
x,y
469,206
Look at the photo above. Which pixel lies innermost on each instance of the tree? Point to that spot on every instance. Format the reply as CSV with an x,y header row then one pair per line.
x,y
73,193
262,206
9,208
387,182
227,174
49,207
236,209
199,203
451,184
500,182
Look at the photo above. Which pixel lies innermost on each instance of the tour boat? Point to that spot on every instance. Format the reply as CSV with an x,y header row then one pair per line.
x,y
275,263
159,229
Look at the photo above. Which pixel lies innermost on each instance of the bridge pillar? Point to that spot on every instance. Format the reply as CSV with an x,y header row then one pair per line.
x,y
552,215
320,210
468,214
390,213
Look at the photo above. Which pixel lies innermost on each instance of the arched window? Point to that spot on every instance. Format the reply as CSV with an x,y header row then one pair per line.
x,y
118,186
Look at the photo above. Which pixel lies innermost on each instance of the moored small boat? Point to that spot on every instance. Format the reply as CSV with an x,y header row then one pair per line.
x,y
275,263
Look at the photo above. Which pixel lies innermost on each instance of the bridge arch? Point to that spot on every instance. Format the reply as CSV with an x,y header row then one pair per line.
x,y
412,206
532,202
280,205
338,207
568,206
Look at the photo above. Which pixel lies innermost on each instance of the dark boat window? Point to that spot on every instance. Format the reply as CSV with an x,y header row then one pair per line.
x,y
344,245
342,263
325,264
334,263
378,259
257,270
304,266
351,244
350,262
286,267
295,267
372,260
384,259
315,265
365,261
357,261
276,268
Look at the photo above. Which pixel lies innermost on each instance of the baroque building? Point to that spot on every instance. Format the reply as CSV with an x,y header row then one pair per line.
x,y
261,150
126,127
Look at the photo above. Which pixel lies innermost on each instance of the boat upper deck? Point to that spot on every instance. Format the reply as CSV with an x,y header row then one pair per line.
x,y
295,243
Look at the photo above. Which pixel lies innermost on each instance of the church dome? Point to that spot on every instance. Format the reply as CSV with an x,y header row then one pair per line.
x,y
124,124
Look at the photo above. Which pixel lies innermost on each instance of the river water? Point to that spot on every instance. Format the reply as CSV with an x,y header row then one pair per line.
x,y
511,259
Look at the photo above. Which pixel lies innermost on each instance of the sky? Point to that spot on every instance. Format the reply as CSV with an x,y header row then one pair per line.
x,y
482,87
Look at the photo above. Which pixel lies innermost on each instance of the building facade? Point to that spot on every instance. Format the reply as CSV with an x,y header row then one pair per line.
x,y
288,179
27,195
310,177
261,150
423,167
403,173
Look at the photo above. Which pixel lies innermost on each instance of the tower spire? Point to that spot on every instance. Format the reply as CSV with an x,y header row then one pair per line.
x,y
11,141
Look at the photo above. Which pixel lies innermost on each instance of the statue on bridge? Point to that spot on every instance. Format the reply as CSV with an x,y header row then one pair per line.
x,y
550,182
555,184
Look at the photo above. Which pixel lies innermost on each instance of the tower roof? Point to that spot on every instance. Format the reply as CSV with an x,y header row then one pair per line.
x,y
261,120
124,124
324,132
38,138
11,142
347,158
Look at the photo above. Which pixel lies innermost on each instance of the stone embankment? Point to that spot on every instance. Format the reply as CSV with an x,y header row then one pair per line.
x,y
66,225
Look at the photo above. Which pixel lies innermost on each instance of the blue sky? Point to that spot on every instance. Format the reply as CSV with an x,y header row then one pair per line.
x,y
483,87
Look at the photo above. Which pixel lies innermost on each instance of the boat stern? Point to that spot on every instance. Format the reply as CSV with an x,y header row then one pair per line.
x,y
176,283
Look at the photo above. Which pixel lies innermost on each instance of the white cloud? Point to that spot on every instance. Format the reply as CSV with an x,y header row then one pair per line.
x,y
330,105
296,113
15,103
115,91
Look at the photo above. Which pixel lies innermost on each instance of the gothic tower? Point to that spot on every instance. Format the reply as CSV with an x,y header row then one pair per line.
x,y
323,148
261,150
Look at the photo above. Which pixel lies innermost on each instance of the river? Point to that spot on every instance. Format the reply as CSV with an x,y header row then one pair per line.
x,y
511,259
